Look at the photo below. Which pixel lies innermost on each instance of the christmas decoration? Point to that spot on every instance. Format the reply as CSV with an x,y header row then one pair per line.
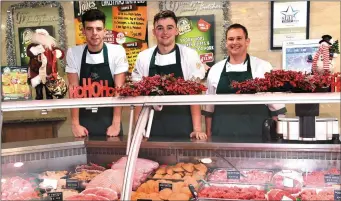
x,y
161,85
10,43
43,73
290,81
323,59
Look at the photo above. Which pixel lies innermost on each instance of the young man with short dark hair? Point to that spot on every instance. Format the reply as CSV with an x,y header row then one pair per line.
x,y
101,62
165,58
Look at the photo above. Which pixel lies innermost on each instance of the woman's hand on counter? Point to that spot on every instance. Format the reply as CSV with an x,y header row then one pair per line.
x,y
114,129
198,135
79,131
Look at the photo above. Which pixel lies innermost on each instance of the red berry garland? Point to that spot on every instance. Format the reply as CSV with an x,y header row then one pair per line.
x,y
287,81
161,85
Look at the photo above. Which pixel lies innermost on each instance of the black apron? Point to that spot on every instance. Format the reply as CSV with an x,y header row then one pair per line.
x,y
238,122
172,121
96,123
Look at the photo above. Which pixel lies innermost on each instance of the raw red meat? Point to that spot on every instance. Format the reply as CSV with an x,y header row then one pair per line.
x,y
252,177
277,195
104,192
278,181
112,179
17,188
142,165
247,193
311,194
143,169
88,197
316,178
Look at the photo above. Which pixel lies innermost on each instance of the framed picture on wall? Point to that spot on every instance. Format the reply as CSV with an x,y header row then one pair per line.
x,y
289,22
298,55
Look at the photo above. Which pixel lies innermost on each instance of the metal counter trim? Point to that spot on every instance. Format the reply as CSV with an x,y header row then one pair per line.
x,y
32,146
218,145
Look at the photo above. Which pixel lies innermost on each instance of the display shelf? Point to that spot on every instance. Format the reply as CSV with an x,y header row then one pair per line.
x,y
261,98
71,103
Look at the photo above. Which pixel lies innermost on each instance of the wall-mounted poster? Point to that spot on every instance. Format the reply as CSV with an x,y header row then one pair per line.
x,y
298,55
25,34
289,22
126,24
14,83
197,32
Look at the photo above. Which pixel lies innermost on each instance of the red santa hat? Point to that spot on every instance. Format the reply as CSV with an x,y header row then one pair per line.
x,y
42,37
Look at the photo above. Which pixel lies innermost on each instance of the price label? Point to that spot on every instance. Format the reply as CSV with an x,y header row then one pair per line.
x,y
337,195
56,196
332,179
287,182
72,184
233,175
165,185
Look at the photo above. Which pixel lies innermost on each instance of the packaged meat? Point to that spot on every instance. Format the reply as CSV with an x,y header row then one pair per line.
x,y
17,188
215,191
317,194
288,180
252,176
317,178
279,195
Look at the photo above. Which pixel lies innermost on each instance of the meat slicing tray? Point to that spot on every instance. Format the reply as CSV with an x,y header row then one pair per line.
x,y
235,181
210,184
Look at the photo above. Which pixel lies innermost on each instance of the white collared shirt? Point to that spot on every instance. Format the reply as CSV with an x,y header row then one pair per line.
x,y
191,65
117,59
258,68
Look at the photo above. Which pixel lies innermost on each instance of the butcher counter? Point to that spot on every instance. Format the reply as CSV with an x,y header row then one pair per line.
x,y
64,154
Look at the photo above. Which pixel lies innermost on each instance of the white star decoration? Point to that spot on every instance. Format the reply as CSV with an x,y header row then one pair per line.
x,y
290,11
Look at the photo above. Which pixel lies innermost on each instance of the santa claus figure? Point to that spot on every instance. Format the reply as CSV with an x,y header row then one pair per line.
x,y
323,59
43,55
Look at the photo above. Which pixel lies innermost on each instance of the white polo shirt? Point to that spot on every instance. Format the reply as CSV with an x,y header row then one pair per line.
x,y
258,68
190,63
116,57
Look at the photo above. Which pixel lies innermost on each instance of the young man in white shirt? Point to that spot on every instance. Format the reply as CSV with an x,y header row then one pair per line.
x,y
166,58
98,61
243,122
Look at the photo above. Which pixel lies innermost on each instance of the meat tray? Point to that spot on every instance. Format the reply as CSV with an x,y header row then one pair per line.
x,y
323,193
254,180
317,178
198,172
246,190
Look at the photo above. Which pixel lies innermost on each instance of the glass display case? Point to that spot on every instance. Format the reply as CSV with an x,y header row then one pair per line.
x,y
140,167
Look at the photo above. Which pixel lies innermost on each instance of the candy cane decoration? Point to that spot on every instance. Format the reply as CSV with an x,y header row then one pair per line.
x,y
324,52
